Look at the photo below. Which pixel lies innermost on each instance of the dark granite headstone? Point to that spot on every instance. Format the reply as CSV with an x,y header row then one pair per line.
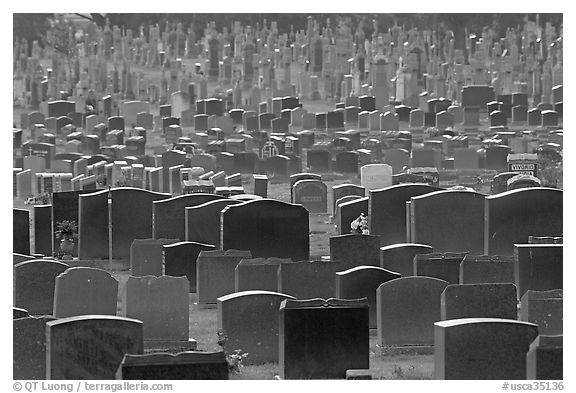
x,y
308,280
538,267
146,256
43,229
202,222
448,221
250,321
258,274
321,339
362,282
407,309
268,228
486,269
445,266
482,348
90,347
216,273
544,360
543,308
479,301
180,260
29,347
65,207
34,283
19,313
182,366
355,250
318,160
21,231
345,189
514,215
399,258
349,211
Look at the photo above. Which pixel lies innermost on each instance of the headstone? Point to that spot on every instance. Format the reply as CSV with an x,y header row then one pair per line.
x,y
399,258
43,229
544,359
29,347
250,322
189,365
498,350
308,280
21,231
538,267
545,309
34,283
90,347
376,176
216,274
333,333
486,269
311,194
162,304
362,282
407,309
258,274
180,260
443,266
267,228
146,256
479,301
355,250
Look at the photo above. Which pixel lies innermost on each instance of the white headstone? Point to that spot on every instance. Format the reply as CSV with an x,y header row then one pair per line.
x,y
376,176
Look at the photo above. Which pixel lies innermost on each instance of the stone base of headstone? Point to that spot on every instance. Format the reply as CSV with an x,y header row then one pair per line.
x,y
169,346
207,306
404,350
358,374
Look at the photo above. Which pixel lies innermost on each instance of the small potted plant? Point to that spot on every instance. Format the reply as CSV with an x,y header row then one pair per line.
x,y
66,232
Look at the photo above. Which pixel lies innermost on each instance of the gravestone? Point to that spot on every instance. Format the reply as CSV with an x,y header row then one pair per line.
x,y
17,258
311,194
85,291
162,304
180,260
387,211
169,214
216,274
347,162
93,225
318,160
407,309
43,233
538,267
258,274
349,211
376,176
544,359
65,207
250,322
342,190
355,250
448,221
545,309
479,301
90,347
166,366
398,159
399,258
34,283
29,347
362,282
21,231
308,280
512,216
146,256
321,339
443,266
498,350
486,269
202,222
267,228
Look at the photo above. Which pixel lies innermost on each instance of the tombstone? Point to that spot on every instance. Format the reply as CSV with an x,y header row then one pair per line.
x,y
376,176
519,114
355,250
162,304
471,116
534,117
498,350
34,282
387,211
543,308
250,322
342,190
466,158
17,258
397,159
406,309
514,215
318,160
267,228
311,194
85,291
216,274
146,256
448,221
334,334
90,347
169,214
279,125
202,221
347,212
362,282
308,121
479,301
538,267
399,258
486,269
29,347
438,265
347,162
544,360
180,260
258,274
93,225
21,231
308,280
549,118
191,365
245,162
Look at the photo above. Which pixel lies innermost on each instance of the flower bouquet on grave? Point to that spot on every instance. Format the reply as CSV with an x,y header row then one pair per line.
x,y
360,225
66,232
234,359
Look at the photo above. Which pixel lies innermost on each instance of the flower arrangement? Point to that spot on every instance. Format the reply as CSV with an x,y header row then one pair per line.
x,y
66,230
40,199
234,359
360,225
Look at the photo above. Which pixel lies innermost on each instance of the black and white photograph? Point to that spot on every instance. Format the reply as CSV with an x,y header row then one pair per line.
x,y
298,195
